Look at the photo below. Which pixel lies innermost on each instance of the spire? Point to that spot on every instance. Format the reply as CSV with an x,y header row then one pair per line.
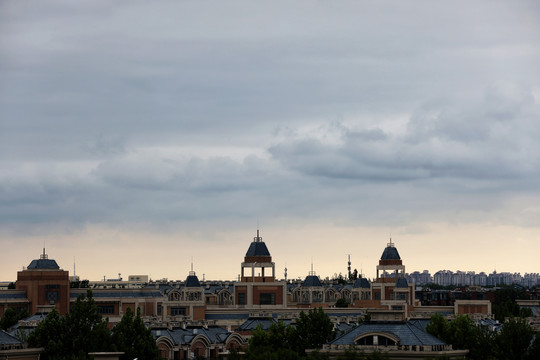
x,y
312,272
43,256
257,238
192,272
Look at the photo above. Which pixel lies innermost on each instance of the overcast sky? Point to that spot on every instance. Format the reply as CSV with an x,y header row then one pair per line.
x,y
137,135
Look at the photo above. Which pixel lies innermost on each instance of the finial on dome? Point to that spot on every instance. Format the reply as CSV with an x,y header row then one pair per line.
x,y
257,238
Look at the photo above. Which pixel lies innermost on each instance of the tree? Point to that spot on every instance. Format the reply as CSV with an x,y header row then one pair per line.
x,y
86,327
12,316
342,303
438,326
75,335
133,338
313,330
515,339
50,334
9,319
276,343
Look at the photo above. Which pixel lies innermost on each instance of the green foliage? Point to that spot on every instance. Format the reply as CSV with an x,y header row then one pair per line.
x,y
288,342
132,337
314,329
438,327
342,303
75,335
51,335
11,286
12,316
505,304
9,319
515,340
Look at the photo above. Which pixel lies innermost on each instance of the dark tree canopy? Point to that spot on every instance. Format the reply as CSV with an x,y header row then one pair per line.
x,y
133,338
82,331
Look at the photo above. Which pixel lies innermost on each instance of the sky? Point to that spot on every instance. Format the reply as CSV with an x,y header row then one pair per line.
x,y
137,136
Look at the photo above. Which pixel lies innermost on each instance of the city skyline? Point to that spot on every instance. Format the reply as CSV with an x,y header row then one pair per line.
x,y
136,137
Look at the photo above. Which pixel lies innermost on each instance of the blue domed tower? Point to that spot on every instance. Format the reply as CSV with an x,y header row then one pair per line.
x,y
258,285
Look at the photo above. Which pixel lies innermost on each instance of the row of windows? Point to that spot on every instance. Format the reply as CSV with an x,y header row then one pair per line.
x,y
178,311
106,309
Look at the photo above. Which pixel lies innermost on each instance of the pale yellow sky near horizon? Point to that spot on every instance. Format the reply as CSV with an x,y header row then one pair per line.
x,y
100,251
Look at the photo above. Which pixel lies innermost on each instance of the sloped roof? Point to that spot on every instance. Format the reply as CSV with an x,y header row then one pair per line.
x,y
390,253
192,281
312,280
178,336
17,294
402,283
253,322
47,264
361,283
407,333
6,339
119,293
257,248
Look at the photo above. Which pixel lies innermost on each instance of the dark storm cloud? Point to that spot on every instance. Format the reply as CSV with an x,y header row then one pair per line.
x,y
152,111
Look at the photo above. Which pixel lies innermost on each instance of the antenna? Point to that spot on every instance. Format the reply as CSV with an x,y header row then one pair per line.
x,y
192,272
312,272
349,266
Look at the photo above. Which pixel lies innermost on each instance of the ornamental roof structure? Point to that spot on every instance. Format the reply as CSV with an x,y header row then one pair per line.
x,y
43,263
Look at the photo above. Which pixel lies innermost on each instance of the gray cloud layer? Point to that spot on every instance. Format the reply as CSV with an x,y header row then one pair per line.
x,y
364,112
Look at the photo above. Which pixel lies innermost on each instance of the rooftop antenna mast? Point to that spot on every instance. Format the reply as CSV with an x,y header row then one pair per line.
x,y
192,272
349,266
44,255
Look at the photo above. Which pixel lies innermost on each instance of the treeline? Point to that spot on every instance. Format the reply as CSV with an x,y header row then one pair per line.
x,y
515,341
84,330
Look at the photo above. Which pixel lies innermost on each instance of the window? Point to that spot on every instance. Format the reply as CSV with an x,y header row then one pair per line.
x,y
241,298
178,311
52,296
106,309
267,299
159,309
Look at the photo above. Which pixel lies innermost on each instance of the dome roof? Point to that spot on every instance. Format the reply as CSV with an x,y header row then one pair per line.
x,y
390,253
312,280
362,283
48,264
43,263
258,248
192,280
